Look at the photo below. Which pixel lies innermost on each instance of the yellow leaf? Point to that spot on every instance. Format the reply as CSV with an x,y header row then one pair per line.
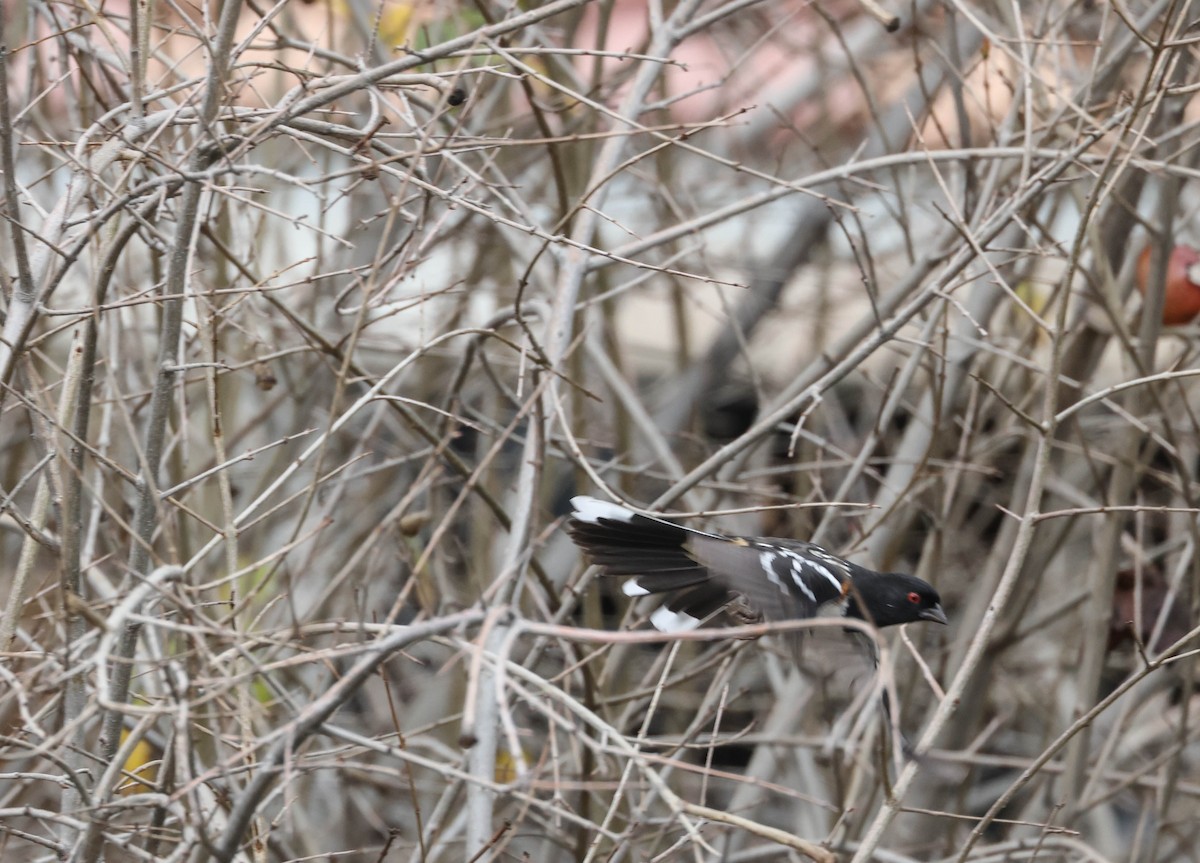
x,y
394,24
142,762
506,766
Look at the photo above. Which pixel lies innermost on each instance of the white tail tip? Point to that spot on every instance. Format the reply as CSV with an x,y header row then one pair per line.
x,y
591,510
665,620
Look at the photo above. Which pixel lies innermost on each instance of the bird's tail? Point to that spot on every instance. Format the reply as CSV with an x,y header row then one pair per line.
x,y
654,552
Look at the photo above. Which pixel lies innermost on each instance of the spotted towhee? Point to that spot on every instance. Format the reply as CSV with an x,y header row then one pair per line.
x,y
768,579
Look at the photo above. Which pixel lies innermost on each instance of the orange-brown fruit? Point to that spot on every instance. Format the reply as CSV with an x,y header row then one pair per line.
x,y
1181,301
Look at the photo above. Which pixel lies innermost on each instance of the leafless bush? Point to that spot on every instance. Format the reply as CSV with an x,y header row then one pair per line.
x,y
316,315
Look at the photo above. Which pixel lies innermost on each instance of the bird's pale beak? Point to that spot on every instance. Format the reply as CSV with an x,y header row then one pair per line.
x,y
935,614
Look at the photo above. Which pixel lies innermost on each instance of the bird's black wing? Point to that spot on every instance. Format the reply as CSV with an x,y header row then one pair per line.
x,y
780,578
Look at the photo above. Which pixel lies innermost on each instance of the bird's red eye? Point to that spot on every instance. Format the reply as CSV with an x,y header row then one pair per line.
x,y
914,598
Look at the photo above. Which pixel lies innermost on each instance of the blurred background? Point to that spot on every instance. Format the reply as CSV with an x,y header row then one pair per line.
x,y
317,314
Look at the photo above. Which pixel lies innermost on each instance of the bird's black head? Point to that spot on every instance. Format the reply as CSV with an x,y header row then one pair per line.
x,y
888,598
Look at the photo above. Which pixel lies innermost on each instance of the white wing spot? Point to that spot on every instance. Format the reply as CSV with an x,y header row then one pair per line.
x,y
837,585
798,577
632,588
766,560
